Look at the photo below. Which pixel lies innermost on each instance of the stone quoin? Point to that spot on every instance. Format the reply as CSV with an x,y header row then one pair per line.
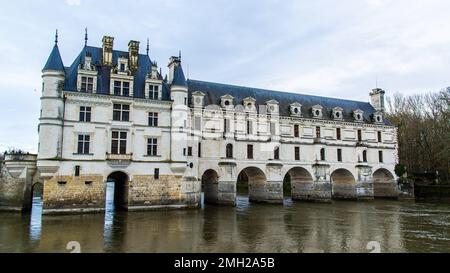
x,y
111,116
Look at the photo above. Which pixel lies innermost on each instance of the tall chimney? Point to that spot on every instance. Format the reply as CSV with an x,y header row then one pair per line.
x,y
377,99
133,55
108,43
173,63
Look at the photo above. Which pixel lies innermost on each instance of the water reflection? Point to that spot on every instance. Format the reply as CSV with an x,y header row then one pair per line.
x,y
296,227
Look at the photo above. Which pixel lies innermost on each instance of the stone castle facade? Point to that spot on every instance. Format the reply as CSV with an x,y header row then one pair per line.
x,y
112,116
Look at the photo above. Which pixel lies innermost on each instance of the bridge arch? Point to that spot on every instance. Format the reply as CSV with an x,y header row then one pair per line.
x,y
343,184
120,190
300,182
256,181
210,186
384,184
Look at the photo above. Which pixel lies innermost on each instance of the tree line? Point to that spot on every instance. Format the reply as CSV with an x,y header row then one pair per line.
x,y
423,122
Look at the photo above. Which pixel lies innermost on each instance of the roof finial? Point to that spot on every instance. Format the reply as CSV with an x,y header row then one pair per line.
x,y
179,56
56,37
148,45
85,36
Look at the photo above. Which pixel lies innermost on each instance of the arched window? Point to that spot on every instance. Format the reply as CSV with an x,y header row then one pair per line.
x,y
322,154
364,156
229,151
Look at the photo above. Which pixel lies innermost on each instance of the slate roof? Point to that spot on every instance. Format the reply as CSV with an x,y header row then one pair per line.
x,y
54,61
178,77
214,91
104,72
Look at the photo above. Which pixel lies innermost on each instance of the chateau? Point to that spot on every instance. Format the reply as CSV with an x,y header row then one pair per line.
x,y
163,140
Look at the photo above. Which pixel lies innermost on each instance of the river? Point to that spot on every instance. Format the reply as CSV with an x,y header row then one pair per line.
x,y
294,227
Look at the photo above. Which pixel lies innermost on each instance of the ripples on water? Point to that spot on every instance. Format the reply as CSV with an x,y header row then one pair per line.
x,y
294,227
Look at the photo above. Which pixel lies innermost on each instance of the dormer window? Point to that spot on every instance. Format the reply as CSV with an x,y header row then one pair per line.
x,y
378,117
249,104
272,107
337,113
317,111
226,101
358,115
87,84
122,65
121,88
198,98
153,92
296,109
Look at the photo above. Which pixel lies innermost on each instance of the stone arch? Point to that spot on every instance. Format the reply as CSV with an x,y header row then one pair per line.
x,y
256,181
210,186
343,184
301,182
37,190
384,184
121,189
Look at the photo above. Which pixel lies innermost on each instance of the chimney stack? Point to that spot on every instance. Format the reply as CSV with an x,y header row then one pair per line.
x,y
377,99
133,55
108,44
173,63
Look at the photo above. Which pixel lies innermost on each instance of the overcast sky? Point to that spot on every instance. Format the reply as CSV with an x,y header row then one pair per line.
x,y
322,47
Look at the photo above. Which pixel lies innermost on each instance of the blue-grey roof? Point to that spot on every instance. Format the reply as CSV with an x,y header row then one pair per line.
x,y
178,77
54,61
104,72
214,91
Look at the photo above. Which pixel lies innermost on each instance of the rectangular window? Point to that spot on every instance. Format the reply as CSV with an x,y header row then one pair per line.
x,y
85,114
380,156
156,174
153,119
122,88
339,155
87,84
199,150
77,171
276,155
122,67
250,151
153,92
152,147
189,151
198,123
338,133
249,127
83,144
119,143
318,133
380,139
322,155
121,112
297,153
359,135
273,129
226,125
296,131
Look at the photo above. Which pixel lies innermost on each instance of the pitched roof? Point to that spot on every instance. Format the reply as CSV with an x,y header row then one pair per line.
x,y
214,91
104,72
54,61
178,77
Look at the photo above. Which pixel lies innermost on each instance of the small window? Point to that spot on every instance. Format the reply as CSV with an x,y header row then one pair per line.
x,y
380,139
273,129
339,155
156,176
198,123
153,119
249,151
249,127
297,153
83,144
322,154
276,155
87,84
296,130
85,114
318,132
62,183
152,147
199,150
153,92
364,156
226,125
380,156
359,135
77,171
122,67
185,101
229,151
338,134
189,151
89,183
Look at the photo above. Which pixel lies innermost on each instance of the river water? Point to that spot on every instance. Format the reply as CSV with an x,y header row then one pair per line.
x,y
294,227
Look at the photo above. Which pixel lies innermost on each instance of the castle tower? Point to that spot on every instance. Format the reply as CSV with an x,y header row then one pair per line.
x,y
179,96
52,106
